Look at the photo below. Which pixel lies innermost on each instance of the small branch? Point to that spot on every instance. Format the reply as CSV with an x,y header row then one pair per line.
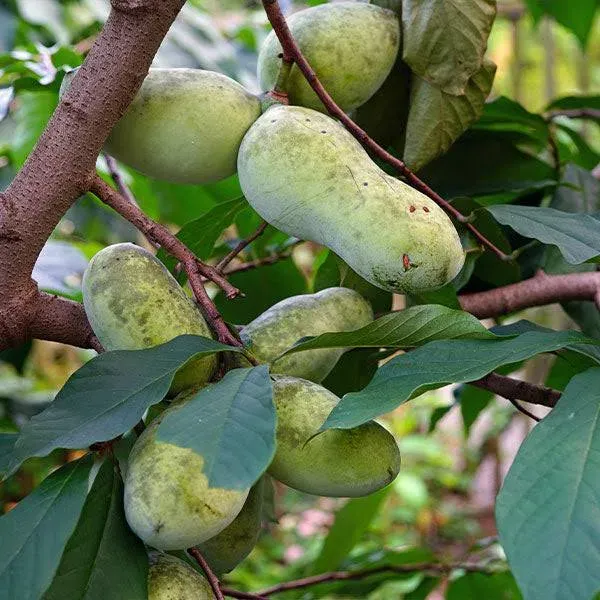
x,y
292,51
259,262
113,169
212,578
515,389
523,410
573,113
243,244
229,593
536,291
195,269
436,568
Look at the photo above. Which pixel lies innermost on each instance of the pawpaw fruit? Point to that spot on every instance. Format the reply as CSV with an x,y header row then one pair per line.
x,y
133,302
169,503
350,45
337,462
232,545
279,327
307,176
170,578
183,126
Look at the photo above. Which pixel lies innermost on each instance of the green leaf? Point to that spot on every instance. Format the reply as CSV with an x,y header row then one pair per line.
x,y
574,102
7,442
351,522
103,558
474,586
504,114
495,166
547,510
575,235
440,363
579,191
403,329
578,21
108,396
231,424
35,532
201,234
444,41
473,401
436,119
33,113
353,371
275,282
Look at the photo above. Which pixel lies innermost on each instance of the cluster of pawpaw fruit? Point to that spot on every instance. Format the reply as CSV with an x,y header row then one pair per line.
x,y
307,176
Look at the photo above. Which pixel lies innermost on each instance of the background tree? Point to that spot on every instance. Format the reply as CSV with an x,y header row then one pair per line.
x,y
520,188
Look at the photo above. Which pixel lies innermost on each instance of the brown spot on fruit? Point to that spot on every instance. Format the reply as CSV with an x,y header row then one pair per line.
x,y
425,209
406,262
412,209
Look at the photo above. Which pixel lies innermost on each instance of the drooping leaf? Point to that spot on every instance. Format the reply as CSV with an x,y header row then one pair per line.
x,y
473,401
103,558
351,522
444,41
35,532
436,119
108,396
437,364
575,235
201,234
403,329
495,166
231,424
547,511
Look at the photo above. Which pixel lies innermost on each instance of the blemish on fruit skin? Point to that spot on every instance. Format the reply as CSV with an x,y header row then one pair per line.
x,y
412,209
425,209
406,262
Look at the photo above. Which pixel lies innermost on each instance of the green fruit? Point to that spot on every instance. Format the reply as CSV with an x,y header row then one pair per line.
x,y
168,501
337,462
350,45
230,547
172,579
184,125
133,302
314,181
278,328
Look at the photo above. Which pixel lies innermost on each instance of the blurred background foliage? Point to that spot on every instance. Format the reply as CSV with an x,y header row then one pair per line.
x,y
456,444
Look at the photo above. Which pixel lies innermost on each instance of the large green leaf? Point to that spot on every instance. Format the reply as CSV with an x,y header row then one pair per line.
x,y
403,329
547,511
444,41
351,522
103,558
33,113
437,364
201,234
575,235
231,424
35,532
494,166
108,396
7,443
436,119
575,102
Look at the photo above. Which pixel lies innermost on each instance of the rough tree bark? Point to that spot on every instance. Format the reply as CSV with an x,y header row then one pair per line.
x,y
63,162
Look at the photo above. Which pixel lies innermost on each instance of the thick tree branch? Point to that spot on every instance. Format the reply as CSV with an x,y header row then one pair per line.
x,y
292,52
515,389
59,168
536,291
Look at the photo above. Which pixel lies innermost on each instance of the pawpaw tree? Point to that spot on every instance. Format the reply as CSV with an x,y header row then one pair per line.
x,y
264,238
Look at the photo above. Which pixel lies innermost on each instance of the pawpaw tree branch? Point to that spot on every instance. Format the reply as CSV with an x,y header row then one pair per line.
x,y
212,578
291,51
240,247
62,164
537,291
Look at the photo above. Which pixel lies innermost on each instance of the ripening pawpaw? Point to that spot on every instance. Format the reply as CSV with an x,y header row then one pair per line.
x,y
170,578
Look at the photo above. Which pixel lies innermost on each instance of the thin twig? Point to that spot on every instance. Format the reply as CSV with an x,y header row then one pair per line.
x,y
195,269
259,262
113,169
229,593
437,568
573,113
212,578
523,410
242,244
292,51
